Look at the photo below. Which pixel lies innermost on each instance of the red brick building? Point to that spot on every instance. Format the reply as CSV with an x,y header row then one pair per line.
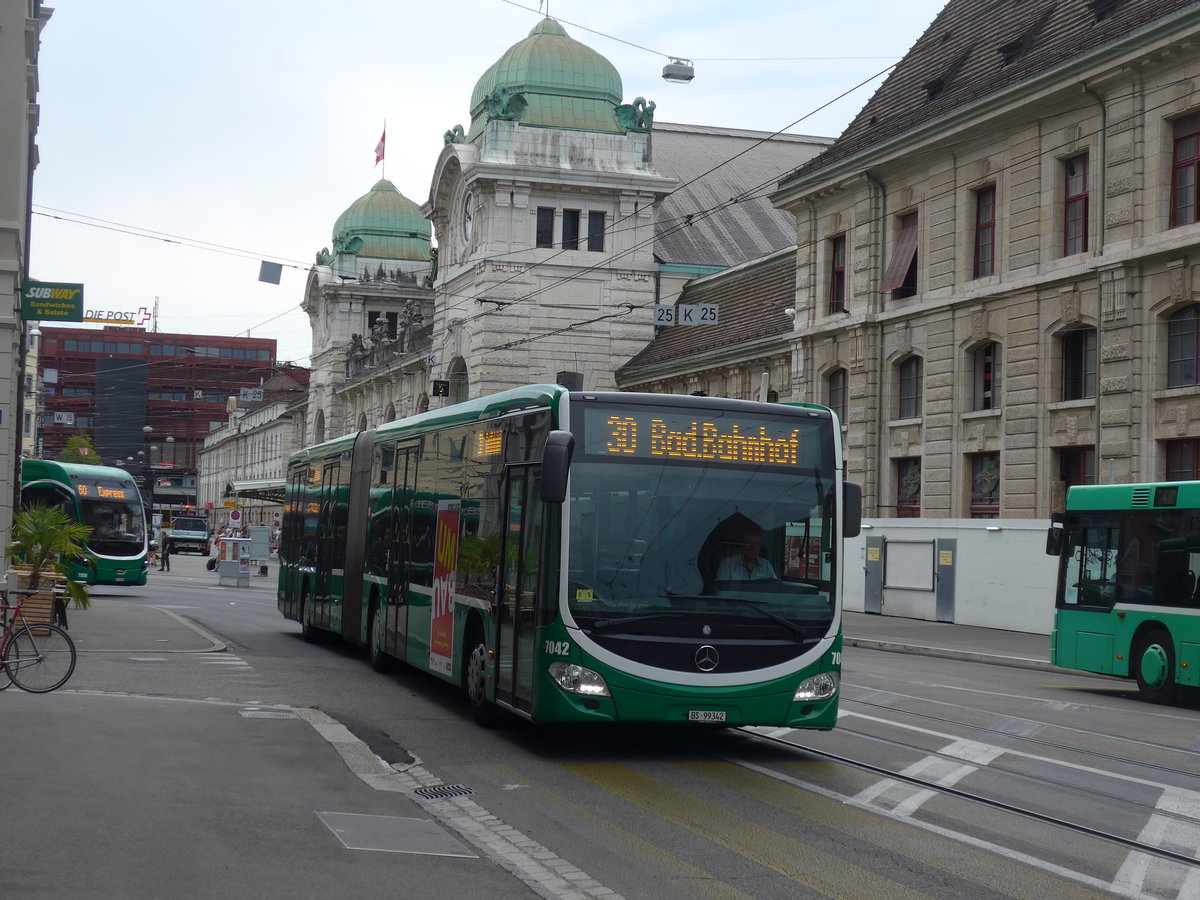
x,y
146,399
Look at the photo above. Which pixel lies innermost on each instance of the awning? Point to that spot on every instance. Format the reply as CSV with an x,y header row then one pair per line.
x,y
269,489
906,248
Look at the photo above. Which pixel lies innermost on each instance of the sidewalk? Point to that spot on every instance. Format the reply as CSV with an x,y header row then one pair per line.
x,y
114,626
965,642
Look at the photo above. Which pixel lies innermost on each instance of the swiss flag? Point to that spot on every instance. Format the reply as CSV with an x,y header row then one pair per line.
x,y
379,147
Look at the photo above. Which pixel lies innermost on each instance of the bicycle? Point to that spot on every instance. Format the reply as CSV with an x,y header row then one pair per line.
x,y
37,657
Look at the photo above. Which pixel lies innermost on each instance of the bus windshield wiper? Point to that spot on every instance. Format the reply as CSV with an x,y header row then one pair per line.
x,y
608,624
757,606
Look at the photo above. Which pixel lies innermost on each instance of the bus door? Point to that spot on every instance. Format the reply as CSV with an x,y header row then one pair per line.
x,y
326,539
291,546
516,622
400,553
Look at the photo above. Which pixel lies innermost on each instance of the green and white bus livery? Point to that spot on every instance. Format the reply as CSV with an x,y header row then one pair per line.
x,y
1126,601
108,500
586,556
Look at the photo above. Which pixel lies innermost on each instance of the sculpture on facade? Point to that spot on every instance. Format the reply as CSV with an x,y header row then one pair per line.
x,y
379,333
503,103
429,279
455,135
324,257
410,320
344,243
636,116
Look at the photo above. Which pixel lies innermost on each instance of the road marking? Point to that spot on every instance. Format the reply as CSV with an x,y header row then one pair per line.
x,y
1091,770
1008,853
1150,875
905,799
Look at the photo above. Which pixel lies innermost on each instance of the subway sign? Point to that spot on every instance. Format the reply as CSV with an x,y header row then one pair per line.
x,y
52,301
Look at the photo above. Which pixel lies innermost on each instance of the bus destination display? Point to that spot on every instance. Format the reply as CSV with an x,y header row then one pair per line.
x,y
663,434
97,490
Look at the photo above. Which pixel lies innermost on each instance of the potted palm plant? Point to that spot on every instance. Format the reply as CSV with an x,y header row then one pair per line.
x,y
42,536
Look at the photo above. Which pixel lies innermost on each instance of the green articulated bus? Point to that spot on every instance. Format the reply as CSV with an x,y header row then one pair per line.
x,y
108,500
1127,602
585,557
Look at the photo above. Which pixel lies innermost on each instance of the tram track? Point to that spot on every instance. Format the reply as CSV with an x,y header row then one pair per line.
x,y
1131,844
1054,745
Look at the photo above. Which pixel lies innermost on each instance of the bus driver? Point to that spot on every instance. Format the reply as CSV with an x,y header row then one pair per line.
x,y
746,563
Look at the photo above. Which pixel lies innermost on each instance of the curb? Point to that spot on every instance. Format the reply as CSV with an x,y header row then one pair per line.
x,y
978,656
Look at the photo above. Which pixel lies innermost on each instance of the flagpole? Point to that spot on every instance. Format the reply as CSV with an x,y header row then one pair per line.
x,y
381,149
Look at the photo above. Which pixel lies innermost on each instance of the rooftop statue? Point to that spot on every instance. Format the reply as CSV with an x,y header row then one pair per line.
x,y
455,135
503,103
636,116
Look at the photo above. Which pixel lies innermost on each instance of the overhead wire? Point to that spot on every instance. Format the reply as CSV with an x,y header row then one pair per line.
x,y
1016,163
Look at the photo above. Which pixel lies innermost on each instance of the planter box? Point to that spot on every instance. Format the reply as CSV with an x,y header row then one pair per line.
x,y
37,607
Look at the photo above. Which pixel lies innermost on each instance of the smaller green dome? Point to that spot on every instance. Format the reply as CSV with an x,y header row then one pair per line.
x,y
389,225
564,84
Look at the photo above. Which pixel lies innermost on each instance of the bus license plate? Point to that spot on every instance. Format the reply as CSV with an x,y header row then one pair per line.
x,y
706,715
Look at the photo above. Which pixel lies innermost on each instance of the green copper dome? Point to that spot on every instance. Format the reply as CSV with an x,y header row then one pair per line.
x,y
389,225
561,83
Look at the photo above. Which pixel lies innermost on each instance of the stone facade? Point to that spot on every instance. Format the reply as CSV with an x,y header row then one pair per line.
x,y
21,25
498,291
1048,362
370,351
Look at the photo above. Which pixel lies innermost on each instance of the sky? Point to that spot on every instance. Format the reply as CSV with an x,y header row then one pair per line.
x,y
183,142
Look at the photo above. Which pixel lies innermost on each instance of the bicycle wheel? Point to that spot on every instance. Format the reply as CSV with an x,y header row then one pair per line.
x,y
40,658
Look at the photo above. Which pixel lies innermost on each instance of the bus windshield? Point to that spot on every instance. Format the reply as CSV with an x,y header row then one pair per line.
x,y
652,544
118,526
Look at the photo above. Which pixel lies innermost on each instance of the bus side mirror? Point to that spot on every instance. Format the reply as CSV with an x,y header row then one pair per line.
x,y
556,464
851,509
1054,535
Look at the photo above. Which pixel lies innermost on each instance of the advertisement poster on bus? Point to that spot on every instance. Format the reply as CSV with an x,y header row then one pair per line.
x,y
445,577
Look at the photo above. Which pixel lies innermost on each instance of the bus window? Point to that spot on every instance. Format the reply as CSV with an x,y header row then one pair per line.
x,y
1092,568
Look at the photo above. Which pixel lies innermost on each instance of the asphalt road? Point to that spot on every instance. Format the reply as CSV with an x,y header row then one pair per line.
x,y
211,760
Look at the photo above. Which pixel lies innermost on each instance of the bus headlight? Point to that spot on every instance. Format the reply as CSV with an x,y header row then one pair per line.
x,y
576,679
818,687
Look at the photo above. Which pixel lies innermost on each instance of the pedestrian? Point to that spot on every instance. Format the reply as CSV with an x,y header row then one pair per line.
x,y
164,553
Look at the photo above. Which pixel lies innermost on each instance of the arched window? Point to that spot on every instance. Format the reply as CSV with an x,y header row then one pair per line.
x,y
389,415
362,422
911,387
836,393
1079,364
319,427
985,377
460,387
1183,347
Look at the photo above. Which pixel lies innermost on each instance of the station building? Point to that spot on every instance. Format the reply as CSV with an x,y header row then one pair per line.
x,y
996,280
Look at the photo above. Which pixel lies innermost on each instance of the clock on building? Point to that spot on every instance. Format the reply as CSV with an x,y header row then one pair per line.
x,y
468,215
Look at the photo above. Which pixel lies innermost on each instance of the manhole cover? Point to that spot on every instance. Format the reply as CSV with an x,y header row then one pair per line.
x,y
442,791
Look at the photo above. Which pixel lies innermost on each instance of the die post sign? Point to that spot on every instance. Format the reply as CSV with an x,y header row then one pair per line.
x,y
51,301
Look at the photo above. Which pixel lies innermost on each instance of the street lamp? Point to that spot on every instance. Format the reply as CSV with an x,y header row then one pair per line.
x,y
148,475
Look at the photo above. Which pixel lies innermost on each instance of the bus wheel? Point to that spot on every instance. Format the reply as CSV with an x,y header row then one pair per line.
x,y
475,682
379,659
1154,665
307,631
